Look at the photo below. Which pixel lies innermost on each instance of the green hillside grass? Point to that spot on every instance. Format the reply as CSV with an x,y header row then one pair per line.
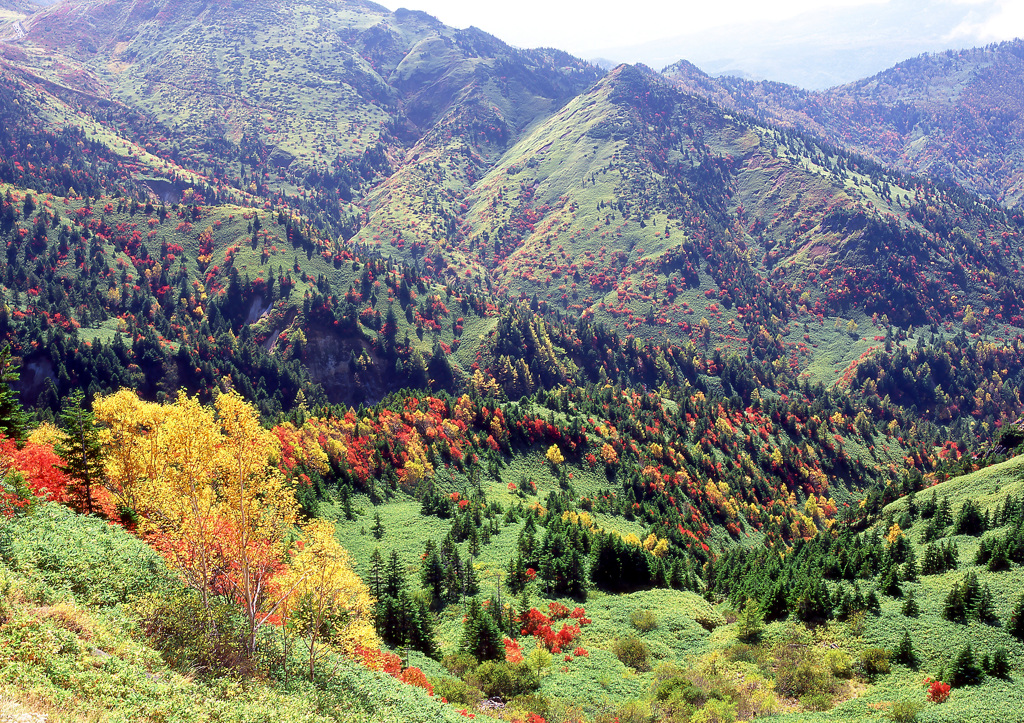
x,y
68,590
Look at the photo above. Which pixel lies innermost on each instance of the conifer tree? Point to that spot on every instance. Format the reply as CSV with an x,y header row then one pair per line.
x,y
985,609
481,637
910,608
1000,667
376,581
965,669
79,446
1016,626
377,528
750,623
13,419
953,608
904,652
394,577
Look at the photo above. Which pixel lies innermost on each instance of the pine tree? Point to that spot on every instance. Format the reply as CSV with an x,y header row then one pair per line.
x,y
13,419
394,578
774,603
421,632
1016,626
481,637
904,652
965,670
970,591
910,608
909,569
377,528
890,583
376,580
985,609
750,623
470,583
872,604
1000,667
576,577
432,575
953,608
79,446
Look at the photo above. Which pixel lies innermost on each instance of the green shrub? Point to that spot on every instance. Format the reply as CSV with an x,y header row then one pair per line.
x,y
532,703
456,692
799,672
680,689
905,711
633,653
875,661
644,620
503,680
458,664
816,701
189,637
635,711
715,711
838,663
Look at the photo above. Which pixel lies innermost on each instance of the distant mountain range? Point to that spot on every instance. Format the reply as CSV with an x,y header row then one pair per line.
x,y
677,208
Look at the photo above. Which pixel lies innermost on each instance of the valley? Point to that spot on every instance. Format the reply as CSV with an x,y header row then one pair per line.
x,y
356,367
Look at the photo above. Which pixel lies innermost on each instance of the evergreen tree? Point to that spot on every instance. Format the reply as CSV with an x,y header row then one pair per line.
x,y
953,608
432,574
421,633
470,583
481,637
965,670
1000,667
890,583
750,622
376,579
576,577
909,568
394,578
1016,626
377,528
774,603
985,609
969,520
872,604
904,652
910,608
13,419
79,446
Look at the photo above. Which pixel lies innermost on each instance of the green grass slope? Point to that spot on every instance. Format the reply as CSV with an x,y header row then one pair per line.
x,y
72,647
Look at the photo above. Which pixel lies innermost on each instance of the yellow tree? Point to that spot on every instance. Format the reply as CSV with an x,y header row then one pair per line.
x,y
132,442
180,503
325,602
256,504
209,495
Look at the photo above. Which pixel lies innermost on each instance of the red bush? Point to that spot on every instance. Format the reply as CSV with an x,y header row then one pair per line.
x,y
938,691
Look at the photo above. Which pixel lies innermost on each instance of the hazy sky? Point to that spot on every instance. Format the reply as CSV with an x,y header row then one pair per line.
x,y
623,28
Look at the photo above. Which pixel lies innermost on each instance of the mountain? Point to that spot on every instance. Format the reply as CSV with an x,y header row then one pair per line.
x,y
954,115
570,366
822,47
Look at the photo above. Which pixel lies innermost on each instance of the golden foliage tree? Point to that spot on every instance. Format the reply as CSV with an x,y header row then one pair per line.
x,y
208,494
325,602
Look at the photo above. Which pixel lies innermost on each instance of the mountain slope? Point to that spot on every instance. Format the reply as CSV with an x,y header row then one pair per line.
x,y
651,209
955,115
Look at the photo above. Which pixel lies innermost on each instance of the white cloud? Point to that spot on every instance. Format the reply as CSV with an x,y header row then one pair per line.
x,y
580,27
993,20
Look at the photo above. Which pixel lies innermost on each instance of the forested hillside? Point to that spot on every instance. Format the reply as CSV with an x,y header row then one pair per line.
x,y
354,367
